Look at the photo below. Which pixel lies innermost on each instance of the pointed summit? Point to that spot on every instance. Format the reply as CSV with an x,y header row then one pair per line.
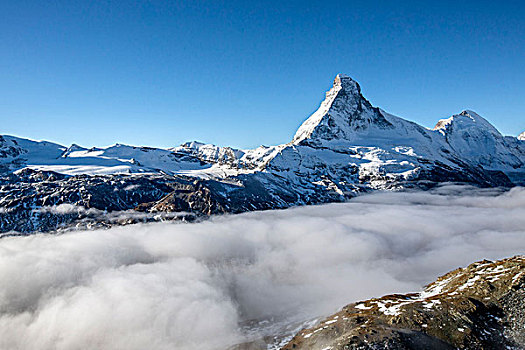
x,y
343,112
349,85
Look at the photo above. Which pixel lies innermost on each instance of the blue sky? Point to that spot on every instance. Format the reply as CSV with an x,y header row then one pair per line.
x,y
245,73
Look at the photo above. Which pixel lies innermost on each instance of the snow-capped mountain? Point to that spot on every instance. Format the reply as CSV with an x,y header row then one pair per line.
x,y
347,146
522,136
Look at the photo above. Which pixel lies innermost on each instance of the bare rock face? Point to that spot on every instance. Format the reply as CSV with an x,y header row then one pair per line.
x,y
478,307
43,201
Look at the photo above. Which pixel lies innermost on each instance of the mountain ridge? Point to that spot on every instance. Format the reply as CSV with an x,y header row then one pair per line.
x,y
346,147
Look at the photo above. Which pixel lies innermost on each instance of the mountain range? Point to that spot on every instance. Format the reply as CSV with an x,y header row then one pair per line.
x,y
346,147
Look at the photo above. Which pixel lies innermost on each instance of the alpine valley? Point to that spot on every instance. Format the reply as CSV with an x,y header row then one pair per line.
x,y
346,147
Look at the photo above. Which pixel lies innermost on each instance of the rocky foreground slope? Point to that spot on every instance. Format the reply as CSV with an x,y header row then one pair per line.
x,y
478,307
346,147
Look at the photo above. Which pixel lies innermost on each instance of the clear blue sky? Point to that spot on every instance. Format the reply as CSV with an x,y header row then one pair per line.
x,y
244,73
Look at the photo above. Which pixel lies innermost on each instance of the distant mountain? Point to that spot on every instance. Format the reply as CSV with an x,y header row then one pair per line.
x,y
478,307
522,136
346,147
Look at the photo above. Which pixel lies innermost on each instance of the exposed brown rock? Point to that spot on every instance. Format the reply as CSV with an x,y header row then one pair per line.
x,y
478,307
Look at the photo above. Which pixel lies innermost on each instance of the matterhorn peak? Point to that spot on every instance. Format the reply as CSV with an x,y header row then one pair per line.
x,y
343,113
349,85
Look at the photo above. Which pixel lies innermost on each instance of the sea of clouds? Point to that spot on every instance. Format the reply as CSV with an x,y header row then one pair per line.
x,y
231,279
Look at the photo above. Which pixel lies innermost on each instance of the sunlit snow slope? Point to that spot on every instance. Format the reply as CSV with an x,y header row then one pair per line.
x,y
346,134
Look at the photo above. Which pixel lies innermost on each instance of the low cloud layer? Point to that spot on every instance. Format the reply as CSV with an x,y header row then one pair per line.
x,y
213,284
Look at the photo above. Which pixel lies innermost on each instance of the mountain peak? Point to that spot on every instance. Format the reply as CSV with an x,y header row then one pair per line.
x,y
469,113
466,120
522,136
349,85
343,112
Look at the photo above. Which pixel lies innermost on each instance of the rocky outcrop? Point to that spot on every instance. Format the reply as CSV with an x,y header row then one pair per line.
x,y
478,307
